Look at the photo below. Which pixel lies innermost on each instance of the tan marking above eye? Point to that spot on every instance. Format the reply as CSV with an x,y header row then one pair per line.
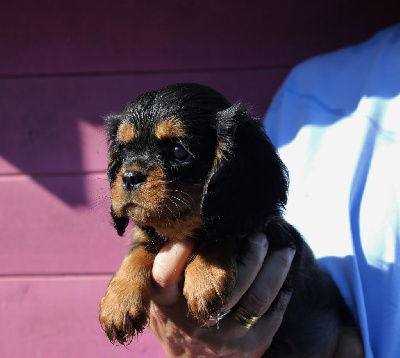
x,y
126,132
169,128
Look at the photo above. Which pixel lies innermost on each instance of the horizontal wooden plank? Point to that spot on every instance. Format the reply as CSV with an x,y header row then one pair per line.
x,y
47,37
54,125
58,225
57,317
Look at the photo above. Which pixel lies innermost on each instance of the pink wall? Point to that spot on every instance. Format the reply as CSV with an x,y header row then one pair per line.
x,y
63,65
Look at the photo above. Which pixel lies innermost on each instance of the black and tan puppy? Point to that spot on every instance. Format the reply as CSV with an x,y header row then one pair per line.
x,y
186,164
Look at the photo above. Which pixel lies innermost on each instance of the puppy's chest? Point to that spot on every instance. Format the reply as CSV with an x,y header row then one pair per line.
x,y
154,237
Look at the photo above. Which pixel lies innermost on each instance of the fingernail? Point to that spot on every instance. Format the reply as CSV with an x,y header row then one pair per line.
x,y
292,252
258,239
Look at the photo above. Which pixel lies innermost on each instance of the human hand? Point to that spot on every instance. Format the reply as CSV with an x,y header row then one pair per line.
x,y
258,283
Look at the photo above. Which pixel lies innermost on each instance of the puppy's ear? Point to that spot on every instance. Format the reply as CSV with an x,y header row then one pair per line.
x,y
112,122
248,182
120,223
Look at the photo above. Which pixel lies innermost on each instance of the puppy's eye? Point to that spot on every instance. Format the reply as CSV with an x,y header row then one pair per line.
x,y
123,152
181,155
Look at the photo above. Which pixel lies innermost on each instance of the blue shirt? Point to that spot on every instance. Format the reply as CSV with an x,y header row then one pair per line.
x,y
336,123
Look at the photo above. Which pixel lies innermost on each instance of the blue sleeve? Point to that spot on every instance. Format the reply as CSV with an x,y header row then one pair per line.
x,y
336,123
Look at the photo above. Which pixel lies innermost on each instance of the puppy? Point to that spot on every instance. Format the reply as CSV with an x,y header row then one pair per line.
x,y
186,164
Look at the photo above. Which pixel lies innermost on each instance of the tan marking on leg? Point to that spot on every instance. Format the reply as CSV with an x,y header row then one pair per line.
x,y
209,279
125,306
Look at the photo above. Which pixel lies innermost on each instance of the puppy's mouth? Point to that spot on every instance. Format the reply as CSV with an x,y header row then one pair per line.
x,y
166,214
157,201
139,209
136,212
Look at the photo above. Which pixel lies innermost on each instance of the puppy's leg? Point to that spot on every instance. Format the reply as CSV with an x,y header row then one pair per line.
x,y
125,306
209,279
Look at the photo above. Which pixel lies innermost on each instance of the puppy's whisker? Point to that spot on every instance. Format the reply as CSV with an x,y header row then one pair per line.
x,y
182,200
100,178
99,201
173,202
169,209
179,210
172,181
158,213
184,193
175,179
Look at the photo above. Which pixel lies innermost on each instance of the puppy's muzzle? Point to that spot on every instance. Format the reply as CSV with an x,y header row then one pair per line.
x,y
132,179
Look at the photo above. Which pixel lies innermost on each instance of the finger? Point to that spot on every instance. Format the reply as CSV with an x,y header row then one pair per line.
x,y
264,288
170,263
232,337
264,328
268,325
268,282
251,263
349,345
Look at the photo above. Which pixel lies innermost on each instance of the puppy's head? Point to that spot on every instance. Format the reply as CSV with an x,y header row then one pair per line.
x,y
183,155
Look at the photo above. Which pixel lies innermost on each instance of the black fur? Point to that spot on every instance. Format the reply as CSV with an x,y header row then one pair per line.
x,y
249,183
120,223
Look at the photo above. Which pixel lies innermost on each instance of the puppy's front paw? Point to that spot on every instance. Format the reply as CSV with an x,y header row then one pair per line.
x,y
207,286
123,310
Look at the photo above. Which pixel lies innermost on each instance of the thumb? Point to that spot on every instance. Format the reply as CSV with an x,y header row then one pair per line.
x,y
169,265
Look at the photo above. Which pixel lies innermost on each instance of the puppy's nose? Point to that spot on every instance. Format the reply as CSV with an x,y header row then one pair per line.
x,y
132,179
